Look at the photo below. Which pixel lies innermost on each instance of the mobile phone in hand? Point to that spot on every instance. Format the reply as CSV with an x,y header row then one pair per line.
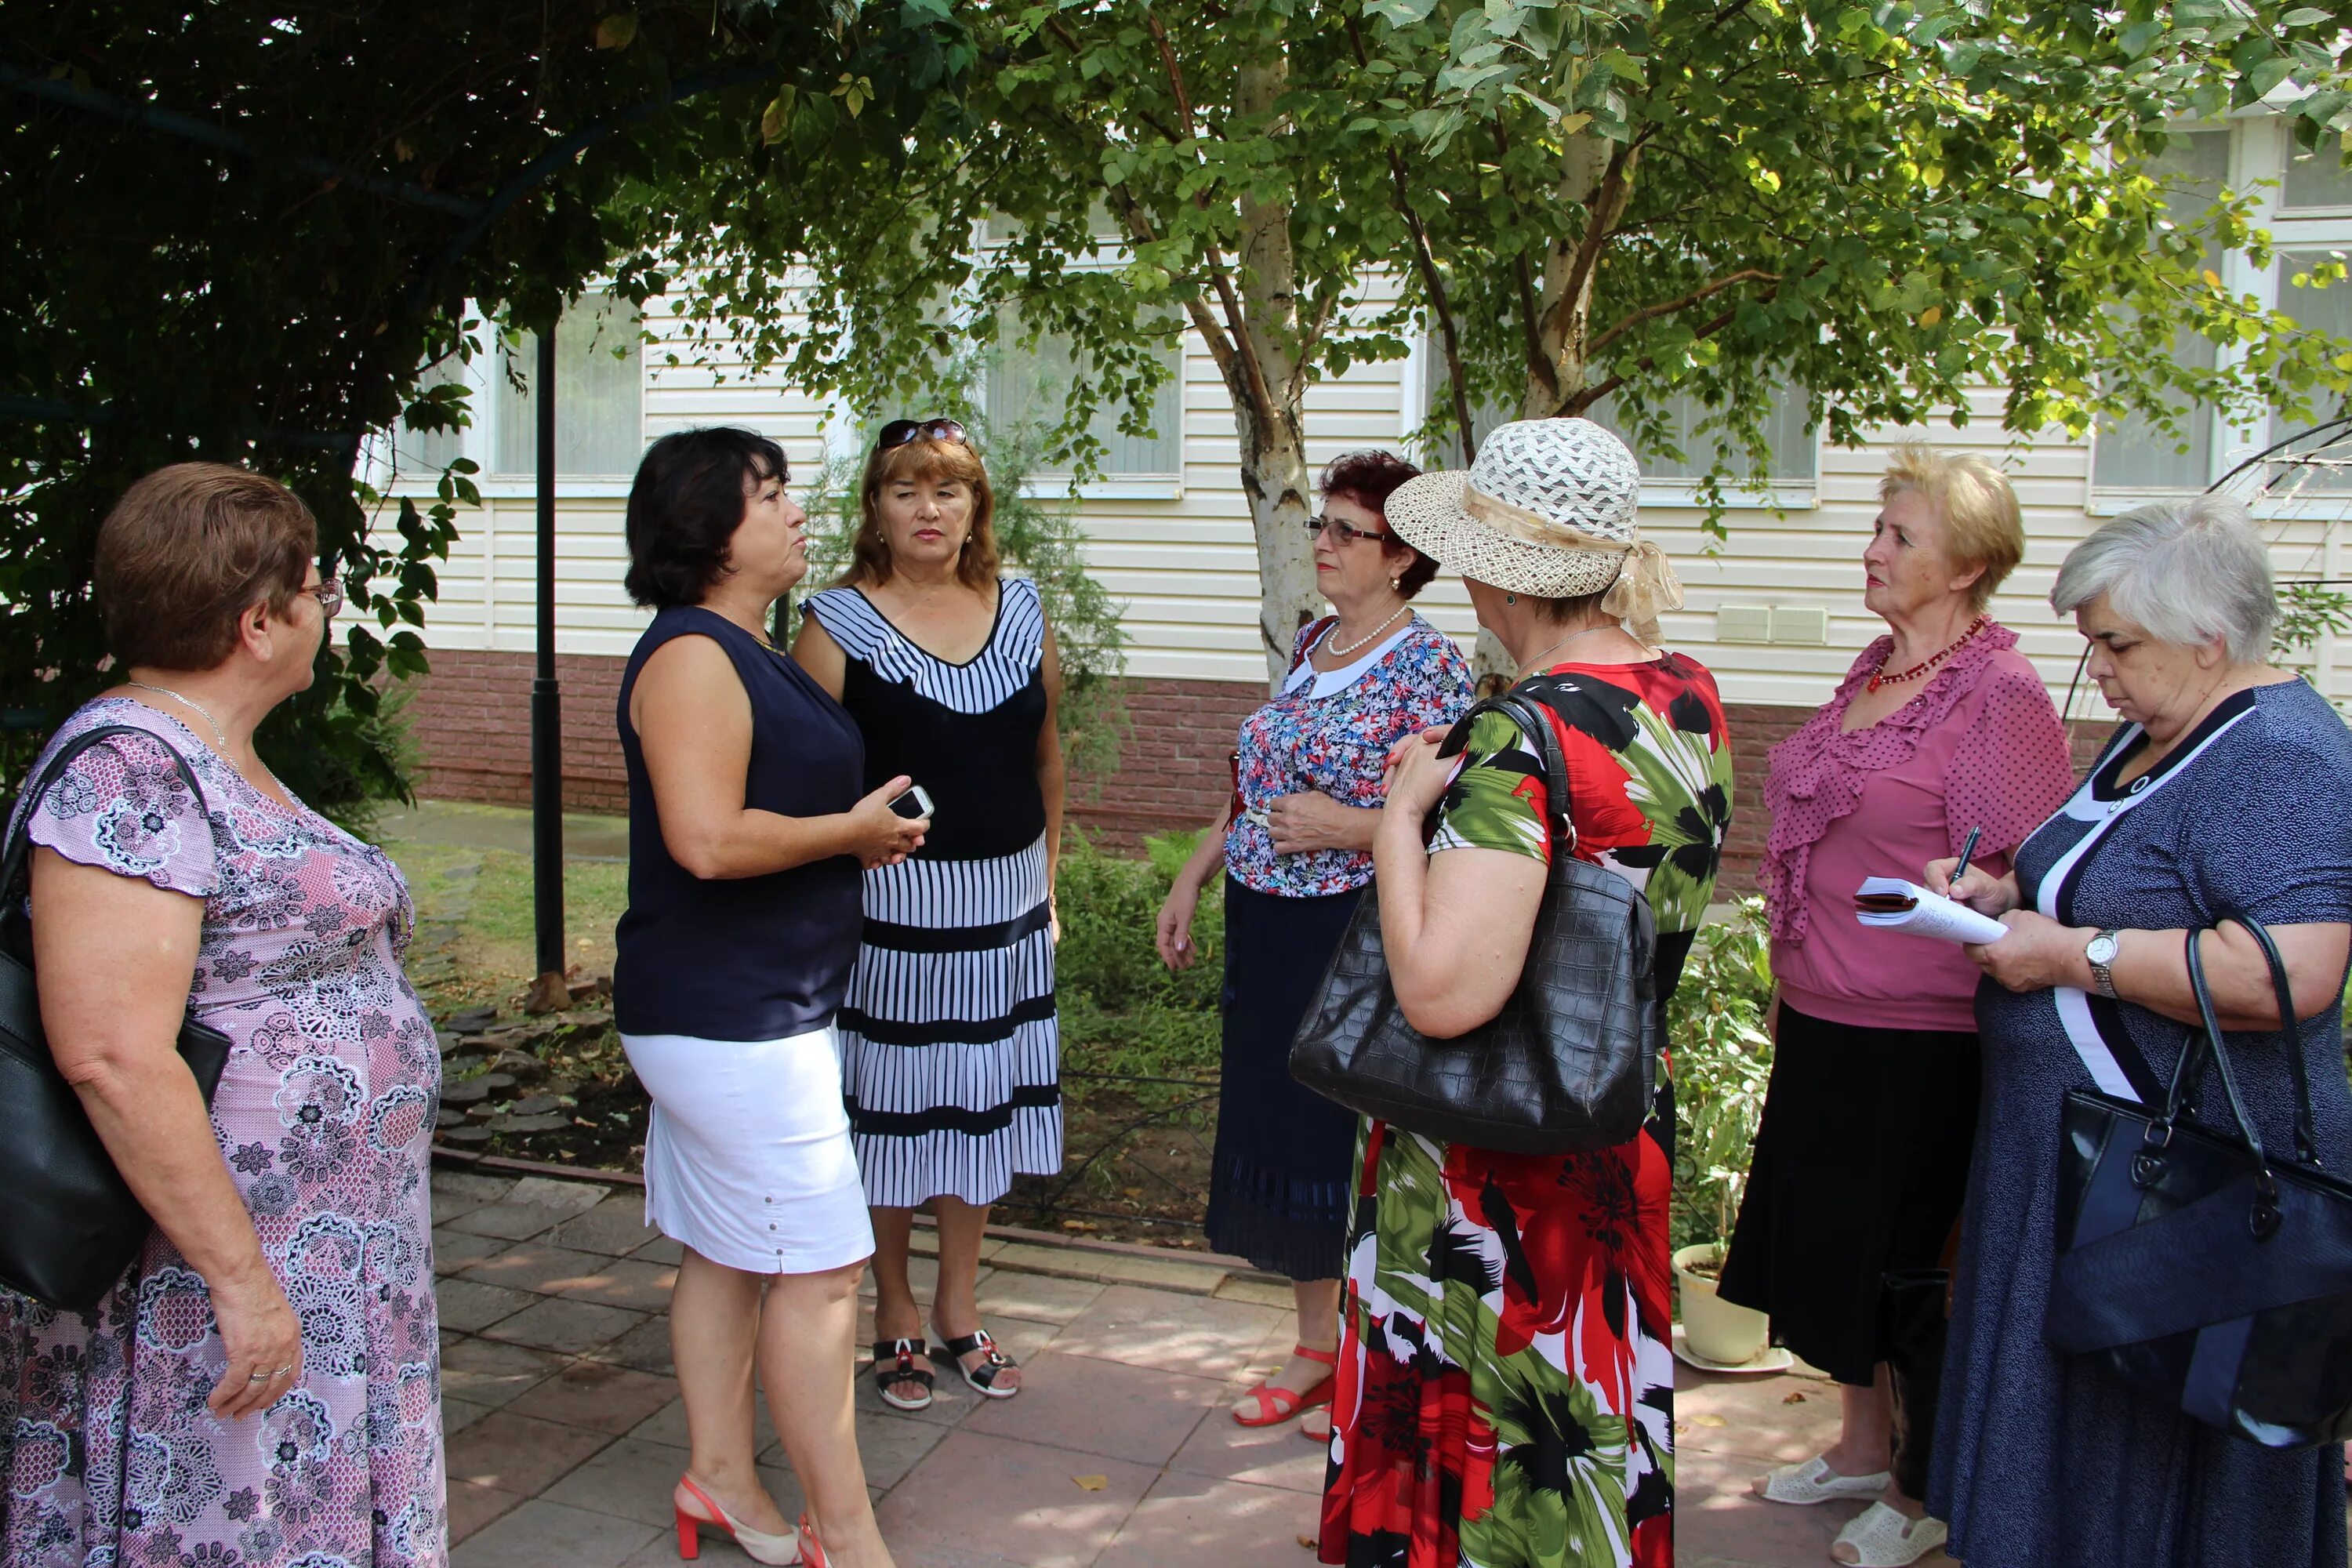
x,y
913,802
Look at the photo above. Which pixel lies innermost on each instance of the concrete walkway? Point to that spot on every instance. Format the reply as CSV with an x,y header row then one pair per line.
x,y
566,1433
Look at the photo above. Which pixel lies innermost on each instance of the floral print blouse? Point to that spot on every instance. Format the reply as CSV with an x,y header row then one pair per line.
x,y
1331,730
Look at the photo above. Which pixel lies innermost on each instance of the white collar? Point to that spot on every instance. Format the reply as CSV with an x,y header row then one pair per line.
x,y
1312,683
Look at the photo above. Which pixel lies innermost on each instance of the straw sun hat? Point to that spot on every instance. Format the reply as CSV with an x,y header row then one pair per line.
x,y
1546,510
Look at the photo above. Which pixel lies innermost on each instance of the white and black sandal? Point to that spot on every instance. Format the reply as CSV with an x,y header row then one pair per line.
x,y
982,1378
1813,1482
895,1361
1882,1537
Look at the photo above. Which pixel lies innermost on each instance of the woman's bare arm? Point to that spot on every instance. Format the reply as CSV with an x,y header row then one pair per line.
x,y
115,955
815,651
694,722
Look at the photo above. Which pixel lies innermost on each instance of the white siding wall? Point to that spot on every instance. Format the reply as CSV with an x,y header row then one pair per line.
x,y
1182,560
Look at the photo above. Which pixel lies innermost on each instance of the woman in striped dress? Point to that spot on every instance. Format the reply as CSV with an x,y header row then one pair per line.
x,y
950,1049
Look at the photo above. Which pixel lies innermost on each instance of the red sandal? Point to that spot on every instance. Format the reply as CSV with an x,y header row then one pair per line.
x,y
1276,1406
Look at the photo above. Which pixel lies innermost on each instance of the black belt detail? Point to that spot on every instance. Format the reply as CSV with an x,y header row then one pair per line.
x,y
944,1031
897,938
952,1118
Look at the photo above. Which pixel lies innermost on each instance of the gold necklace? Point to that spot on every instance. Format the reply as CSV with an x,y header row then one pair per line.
x,y
1537,663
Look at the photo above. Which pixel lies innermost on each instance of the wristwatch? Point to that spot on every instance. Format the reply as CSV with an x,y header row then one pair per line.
x,y
2100,951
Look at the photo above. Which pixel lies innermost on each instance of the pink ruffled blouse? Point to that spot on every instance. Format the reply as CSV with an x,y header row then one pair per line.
x,y
1979,745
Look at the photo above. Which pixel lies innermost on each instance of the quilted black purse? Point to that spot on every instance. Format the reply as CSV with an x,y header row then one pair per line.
x,y
68,1224
2197,1265
1571,1060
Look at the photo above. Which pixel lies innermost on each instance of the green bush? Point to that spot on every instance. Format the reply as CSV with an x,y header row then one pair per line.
x,y
1722,1066
1122,1009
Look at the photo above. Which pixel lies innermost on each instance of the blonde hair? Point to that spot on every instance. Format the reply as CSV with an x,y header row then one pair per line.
x,y
920,459
1975,502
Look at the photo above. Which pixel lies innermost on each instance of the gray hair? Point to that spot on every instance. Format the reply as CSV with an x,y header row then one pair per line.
x,y
2184,572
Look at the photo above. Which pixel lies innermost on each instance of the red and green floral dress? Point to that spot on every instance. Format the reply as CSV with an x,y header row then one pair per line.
x,y
1506,1383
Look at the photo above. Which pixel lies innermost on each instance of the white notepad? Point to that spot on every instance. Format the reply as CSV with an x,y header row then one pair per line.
x,y
1915,911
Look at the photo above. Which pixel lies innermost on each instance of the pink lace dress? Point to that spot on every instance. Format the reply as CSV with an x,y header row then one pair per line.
x,y
107,1456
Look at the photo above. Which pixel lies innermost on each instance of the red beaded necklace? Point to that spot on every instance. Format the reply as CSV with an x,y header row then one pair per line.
x,y
1878,677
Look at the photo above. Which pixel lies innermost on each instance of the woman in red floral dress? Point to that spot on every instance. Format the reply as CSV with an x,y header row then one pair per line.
x,y
1506,1387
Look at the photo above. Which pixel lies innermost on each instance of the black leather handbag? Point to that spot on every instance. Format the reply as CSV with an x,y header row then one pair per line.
x,y
2195,1262
1571,1060
68,1224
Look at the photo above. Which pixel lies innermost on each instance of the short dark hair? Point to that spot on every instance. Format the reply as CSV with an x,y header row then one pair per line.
x,y
1369,479
685,506
187,551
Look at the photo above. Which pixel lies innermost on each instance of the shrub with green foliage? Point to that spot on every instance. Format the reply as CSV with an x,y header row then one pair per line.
x,y
1722,1066
1123,1010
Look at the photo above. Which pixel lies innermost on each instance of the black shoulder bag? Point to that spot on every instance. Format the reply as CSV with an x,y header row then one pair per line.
x,y
2194,1262
68,1224
1571,1060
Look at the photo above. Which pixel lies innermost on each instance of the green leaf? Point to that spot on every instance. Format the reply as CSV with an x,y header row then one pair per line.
x,y
617,31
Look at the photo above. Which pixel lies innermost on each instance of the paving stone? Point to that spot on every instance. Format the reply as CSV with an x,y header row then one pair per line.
x,y
454,1250
1040,1298
1196,1519
1223,1449
617,1226
667,1428
461,1191
1102,1407
445,1118
567,1327
623,1282
542,1532
538,1266
517,1454
468,1305
1758,1421
634,1480
889,1445
1190,1279
509,1125
1258,1292
456,1414
471,1020
471,1091
464,1137
598,1395
1714,1515
471,1507
661,1249
463,1064
514,1221
573,1197
1159,1329
644,1347
488,1373
1038,1516
537,1105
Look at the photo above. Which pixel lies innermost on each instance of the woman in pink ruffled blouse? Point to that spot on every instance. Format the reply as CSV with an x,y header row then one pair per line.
x,y
1939,726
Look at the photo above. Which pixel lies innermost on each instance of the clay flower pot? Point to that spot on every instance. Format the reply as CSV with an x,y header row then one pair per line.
x,y
1715,1330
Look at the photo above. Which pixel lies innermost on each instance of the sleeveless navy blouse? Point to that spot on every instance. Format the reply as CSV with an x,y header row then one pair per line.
x,y
748,958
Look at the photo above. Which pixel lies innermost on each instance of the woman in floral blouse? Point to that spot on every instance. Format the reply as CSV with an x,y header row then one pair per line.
x,y
1295,844
262,1388
1505,1394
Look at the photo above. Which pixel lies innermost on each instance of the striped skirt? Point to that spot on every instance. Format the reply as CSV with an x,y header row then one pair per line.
x,y
949,1050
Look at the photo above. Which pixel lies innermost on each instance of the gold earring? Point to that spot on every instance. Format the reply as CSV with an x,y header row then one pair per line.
x,y
1396,584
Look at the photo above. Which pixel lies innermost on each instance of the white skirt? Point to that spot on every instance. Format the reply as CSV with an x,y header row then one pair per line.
x,y
747,1160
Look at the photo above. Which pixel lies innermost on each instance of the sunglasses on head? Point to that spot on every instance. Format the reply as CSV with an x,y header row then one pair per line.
x,y
898,432
1345,531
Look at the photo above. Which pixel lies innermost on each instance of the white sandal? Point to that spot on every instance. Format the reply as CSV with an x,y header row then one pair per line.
x,y
1883,1537
1813,1481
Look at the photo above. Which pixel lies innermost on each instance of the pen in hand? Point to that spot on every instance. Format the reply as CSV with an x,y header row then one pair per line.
x,y
1968,848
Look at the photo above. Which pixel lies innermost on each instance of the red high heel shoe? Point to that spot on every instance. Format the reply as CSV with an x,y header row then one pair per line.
x,y
812,1549
779,1550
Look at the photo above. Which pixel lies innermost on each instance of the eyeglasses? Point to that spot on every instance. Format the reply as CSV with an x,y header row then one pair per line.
x,y
329,594
898,432
1345,531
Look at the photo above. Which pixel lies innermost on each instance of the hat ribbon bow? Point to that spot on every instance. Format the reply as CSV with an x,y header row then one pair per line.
x,y
1646,584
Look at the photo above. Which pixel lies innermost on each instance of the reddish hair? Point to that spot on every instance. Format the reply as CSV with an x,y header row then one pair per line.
x,y
1369,479
923,460
187,551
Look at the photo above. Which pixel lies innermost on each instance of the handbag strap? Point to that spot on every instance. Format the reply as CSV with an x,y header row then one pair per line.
x,y
1528,714
2306,1141
19,851
2265,1184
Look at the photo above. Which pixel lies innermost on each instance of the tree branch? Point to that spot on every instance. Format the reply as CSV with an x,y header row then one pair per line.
x,y
1650,313
1593,394
1539,366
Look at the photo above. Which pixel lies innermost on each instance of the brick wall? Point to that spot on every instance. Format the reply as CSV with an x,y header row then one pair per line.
x,y
472,719
472,716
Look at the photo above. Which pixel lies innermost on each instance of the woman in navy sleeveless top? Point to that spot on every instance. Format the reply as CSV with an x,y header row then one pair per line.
x,y
748,828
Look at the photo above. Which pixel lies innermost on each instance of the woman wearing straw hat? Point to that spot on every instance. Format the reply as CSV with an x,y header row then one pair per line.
x,y
1502,1306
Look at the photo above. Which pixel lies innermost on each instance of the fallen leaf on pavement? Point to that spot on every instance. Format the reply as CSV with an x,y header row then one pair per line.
x,y
1092,1483
1710,1421
1309,1542
1792,1399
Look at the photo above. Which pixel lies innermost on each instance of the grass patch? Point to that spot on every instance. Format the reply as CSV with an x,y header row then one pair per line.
x,y
489,892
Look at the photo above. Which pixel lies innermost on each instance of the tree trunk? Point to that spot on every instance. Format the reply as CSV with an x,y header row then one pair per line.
x,y
1274,477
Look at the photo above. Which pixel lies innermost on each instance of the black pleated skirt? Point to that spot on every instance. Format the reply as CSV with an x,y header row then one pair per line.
x,y
1860,1169
1279,1189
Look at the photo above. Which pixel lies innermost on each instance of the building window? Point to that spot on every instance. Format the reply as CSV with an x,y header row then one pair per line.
x,y
1795,452
1032,386
2133,453
599,394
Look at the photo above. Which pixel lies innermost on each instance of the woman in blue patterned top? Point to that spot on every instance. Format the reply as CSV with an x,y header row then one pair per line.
x,y
1295,845
2224,789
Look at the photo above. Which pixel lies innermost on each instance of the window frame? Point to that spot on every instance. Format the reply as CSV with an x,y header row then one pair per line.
x,y
2260,145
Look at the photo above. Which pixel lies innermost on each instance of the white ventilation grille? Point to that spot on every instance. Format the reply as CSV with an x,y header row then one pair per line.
x,y
1800,625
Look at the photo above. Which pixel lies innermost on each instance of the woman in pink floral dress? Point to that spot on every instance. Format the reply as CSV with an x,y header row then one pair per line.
x,y
261,1389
